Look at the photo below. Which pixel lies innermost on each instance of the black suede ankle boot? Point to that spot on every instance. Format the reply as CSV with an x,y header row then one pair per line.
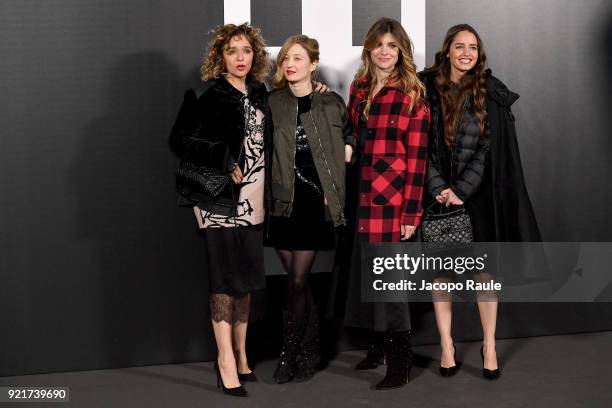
x,y
375,356
399,360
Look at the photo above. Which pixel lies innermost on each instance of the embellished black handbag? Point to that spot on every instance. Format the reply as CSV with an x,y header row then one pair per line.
x,y
203,178
446,228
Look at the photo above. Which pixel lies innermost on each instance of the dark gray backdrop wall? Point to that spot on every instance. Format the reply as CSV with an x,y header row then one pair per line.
x,y
557,55
101,269
99,266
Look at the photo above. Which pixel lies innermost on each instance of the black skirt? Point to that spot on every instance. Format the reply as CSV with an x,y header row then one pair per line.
x,y
234,259
377,316
345,288
308,227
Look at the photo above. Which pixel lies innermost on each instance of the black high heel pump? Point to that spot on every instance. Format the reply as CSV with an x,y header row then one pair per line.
x,y
486,373
450,371
248,377
234,392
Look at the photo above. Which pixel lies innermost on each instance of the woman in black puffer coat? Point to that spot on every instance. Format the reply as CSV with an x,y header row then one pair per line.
x,y
473,160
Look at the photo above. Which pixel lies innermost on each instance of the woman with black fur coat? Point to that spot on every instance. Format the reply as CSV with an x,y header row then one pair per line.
x,y
227,129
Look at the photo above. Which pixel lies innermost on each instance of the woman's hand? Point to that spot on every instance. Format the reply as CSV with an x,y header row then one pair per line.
x,y
407,231
348,153
198,216
448,197
237,174
320,87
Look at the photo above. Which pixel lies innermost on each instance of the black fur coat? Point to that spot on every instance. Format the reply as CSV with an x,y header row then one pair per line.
x,y
210,131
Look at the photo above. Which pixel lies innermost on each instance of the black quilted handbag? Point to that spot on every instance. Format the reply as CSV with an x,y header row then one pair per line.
x,y
205,179
446,228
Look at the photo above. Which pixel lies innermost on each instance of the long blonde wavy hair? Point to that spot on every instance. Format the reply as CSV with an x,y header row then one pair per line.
x,y
405,69
213,65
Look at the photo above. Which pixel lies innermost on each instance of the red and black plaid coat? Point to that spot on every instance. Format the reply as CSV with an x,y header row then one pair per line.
x,y
392,162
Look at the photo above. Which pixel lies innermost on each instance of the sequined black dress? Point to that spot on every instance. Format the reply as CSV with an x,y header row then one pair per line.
x,y
308,227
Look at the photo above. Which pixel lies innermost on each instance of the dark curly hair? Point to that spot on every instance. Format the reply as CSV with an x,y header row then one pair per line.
x,y
213,65
473,84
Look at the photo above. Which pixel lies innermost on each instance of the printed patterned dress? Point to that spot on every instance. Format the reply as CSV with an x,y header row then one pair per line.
x,y
234,245
251,199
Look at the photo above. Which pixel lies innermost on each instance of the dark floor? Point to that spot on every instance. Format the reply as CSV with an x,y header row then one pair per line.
x,y
556,371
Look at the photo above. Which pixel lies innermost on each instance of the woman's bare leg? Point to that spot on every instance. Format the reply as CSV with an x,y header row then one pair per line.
x,y
443,308
487,306
239,331
221,313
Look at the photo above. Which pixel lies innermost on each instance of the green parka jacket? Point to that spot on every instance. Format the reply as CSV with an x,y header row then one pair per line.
x,y
328,128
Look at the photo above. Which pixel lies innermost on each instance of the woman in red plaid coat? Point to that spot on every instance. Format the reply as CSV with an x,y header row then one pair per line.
x,y
390,122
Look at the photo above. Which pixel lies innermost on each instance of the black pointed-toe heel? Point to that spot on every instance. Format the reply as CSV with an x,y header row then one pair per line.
x,y
248,377
450,371
486,373
234,392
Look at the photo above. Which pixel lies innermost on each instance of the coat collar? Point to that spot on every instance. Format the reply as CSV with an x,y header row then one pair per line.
x,y
496,89
363,86
256,90
314,96
252,85
287,90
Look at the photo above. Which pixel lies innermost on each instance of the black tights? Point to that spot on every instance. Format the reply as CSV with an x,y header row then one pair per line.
x,y
297,264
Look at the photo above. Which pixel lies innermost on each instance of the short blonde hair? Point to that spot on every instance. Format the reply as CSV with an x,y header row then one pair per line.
x,y
213,65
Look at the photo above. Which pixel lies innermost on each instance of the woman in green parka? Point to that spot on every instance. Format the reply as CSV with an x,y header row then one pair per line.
x,y
308,191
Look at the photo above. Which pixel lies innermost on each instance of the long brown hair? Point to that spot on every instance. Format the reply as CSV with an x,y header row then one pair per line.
x,y
213,65
309,44
405,68
472,84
